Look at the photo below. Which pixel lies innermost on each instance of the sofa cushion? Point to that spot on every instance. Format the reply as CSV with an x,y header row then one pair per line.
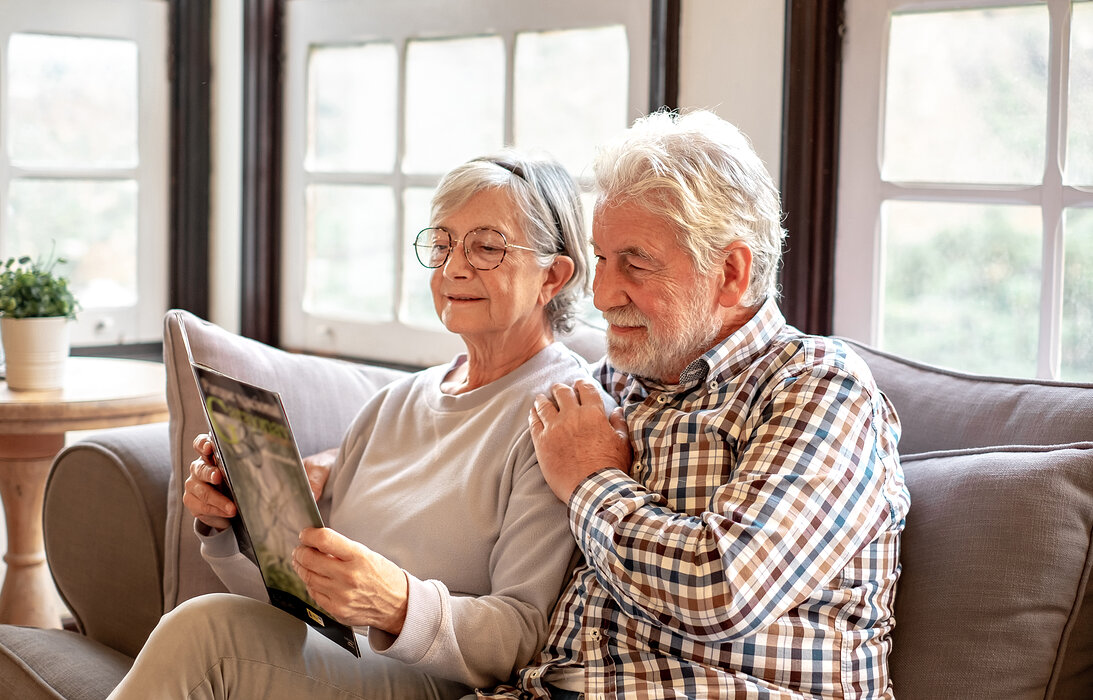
x,y
946,410
321,397
993,599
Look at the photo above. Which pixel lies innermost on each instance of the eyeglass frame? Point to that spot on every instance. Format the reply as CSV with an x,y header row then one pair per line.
x,y
463,242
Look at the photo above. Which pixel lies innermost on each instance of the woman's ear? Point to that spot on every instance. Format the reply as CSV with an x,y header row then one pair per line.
x,y
559,272
736,271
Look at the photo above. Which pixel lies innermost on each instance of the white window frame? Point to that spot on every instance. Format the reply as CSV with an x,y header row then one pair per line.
x,y
310,22
861,192
145,22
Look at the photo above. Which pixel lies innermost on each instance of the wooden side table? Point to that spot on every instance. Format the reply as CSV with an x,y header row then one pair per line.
x,y
98,393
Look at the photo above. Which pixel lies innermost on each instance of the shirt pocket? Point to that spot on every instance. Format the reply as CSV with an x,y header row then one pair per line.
x,y
690,465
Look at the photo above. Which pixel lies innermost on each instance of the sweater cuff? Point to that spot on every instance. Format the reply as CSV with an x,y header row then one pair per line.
x,y
216,545
425,611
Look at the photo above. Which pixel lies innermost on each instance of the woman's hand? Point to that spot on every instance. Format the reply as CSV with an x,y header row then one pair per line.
x,y
318,467
202,497
351,582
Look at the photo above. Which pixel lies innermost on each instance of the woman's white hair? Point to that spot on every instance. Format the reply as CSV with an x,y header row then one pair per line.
x,y
700,174
549,208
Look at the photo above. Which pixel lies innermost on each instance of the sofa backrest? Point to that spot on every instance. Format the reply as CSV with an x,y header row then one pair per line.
x,y
994,598
945,410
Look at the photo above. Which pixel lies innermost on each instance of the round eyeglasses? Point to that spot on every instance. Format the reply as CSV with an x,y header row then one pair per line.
x,y
485,248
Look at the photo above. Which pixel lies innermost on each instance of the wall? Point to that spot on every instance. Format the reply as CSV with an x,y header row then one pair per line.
x,y
730,62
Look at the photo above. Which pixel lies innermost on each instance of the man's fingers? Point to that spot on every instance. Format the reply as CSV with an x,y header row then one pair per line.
x,y
587,394
618,421
564,396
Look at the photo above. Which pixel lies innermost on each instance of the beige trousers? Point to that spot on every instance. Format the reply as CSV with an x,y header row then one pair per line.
x,y
225,646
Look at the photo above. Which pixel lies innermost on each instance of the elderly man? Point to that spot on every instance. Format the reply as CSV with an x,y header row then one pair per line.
x,y
740,514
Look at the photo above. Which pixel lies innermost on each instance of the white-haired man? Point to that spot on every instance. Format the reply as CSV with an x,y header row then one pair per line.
x,y
740,513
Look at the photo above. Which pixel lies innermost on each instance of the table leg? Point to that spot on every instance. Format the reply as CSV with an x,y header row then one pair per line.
x,y
27,597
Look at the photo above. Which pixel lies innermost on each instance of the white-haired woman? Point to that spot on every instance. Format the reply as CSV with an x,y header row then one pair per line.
x,y
445,547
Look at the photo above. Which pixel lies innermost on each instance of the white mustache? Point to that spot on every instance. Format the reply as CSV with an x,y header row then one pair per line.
x,y
626,316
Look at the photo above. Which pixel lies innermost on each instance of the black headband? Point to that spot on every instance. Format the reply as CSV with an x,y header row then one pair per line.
x,y
516,170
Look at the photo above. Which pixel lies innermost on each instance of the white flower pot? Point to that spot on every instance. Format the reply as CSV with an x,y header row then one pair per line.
x,y
35,351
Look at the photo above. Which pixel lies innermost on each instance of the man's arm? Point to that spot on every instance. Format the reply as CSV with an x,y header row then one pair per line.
x,y
805,494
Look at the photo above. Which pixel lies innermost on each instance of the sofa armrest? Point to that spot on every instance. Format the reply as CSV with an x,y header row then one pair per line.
x,y
104,515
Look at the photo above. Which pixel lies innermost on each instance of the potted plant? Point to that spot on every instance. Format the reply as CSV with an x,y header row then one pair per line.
x,y
35,308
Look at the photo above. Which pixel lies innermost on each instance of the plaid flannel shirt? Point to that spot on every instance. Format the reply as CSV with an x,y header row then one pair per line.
x,y
754,551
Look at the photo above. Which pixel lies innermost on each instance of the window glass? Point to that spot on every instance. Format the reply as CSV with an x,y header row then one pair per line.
x,y
92,224
568,118
455,91
350,262
962,285
1079,161
352,95
966,98
1077,333
418,309
72,101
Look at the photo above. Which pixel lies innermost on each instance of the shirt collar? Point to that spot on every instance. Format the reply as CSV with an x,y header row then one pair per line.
x,y
731,355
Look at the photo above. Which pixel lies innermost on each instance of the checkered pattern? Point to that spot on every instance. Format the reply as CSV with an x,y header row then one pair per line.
x,y
754,553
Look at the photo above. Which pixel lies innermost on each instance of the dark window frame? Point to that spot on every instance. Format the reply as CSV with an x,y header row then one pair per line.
x,y
810,152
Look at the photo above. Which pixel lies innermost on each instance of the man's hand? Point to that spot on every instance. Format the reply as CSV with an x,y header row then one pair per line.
x,y
574,436
318,467
202,495
354,584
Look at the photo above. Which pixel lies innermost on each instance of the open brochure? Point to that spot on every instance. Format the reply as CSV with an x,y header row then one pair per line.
x,y
266,478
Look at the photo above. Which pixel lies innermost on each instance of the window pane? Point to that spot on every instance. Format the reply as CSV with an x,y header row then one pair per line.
x,y
1077,336
568,118
72,101
962,285
967,96
1079,150
352,107
350,260
418,309
94,226
454,101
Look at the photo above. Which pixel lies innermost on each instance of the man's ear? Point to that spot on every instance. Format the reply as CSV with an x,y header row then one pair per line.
x,y
736,271
557,275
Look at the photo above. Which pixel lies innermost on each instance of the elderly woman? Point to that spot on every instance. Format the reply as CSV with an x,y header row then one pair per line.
x,y
445,549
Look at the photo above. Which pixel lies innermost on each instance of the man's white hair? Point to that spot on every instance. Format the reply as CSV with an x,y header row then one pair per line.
x,y
701,175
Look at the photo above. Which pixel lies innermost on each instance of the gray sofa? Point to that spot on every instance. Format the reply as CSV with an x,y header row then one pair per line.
x,y
994,601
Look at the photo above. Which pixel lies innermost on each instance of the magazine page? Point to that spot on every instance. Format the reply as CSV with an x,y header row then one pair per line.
x,y
267,481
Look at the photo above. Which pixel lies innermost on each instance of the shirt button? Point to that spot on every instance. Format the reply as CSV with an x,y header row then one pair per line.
x,y
593,634
534,673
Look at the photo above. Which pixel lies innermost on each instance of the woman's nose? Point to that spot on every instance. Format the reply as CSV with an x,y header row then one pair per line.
x,y
457,265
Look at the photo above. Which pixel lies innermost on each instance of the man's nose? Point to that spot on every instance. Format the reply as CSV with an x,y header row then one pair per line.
x,y
607,290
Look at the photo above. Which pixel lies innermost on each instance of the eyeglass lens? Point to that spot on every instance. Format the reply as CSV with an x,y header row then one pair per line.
x,y
484,247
